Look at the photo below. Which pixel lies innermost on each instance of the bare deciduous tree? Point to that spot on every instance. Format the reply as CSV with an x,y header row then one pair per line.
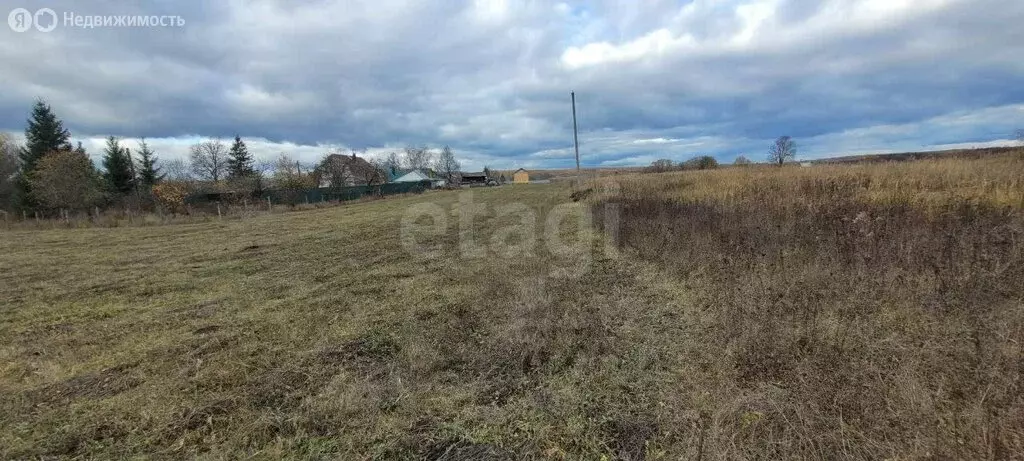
x,y
741,161
333,169
447,165
393,163
782,150
8,169
661,166
209,160
288,174
374,172
1019,136
67,180
177,170
418,158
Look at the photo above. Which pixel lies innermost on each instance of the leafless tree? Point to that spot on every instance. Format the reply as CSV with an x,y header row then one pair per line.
x,y
741,161
661,166
418,158
177,170
782,150
8,169
209,160
334,168
288,174
393,163
1019,136
447,165
374,172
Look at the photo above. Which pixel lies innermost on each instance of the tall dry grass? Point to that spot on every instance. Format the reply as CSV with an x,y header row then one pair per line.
x,y
857,311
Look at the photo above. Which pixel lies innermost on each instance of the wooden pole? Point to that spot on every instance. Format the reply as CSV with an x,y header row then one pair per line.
x,y
575,136
218,210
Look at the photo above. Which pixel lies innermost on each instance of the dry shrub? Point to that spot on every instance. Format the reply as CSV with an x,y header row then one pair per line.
x,y
171,196
862,311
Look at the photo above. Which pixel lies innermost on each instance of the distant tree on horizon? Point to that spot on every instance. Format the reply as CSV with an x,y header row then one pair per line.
x,y
661,166
782,150
741,161
703,162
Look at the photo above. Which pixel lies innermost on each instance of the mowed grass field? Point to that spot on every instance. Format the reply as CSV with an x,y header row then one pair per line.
x,y
317,334
853,311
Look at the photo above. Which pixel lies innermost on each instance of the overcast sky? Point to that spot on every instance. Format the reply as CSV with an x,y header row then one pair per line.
x,y
653,79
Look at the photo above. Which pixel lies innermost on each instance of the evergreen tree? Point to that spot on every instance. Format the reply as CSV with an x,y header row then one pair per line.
x,y
80,149
45,134
239,160
117,162
149,173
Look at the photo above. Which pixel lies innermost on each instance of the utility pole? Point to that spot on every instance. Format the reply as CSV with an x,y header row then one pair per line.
x,y
575,135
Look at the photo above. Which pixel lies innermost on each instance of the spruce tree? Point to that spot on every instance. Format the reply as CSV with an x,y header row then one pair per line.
x,y
117,162
149,173
45,134
239,160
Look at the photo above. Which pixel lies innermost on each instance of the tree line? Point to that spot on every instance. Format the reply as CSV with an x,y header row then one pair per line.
x,y
47,173
781,151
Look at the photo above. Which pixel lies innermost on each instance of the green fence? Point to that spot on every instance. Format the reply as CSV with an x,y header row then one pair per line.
x,y
321,194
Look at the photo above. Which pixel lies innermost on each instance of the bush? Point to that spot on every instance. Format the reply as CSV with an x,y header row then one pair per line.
x,y
66,180
704,162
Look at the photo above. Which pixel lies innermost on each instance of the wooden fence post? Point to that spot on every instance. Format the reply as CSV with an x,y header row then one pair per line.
x,y
218,210
270,206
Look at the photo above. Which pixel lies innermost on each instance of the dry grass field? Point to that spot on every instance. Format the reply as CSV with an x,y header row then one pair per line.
x,y
860,311
852,311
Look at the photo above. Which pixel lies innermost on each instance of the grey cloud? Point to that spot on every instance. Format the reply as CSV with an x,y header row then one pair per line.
x,y
494,85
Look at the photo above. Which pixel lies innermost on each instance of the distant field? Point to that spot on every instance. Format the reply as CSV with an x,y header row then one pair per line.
x,y
850,311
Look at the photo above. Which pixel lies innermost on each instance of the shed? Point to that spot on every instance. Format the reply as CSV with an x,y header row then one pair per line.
x,y
520,176
473,178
